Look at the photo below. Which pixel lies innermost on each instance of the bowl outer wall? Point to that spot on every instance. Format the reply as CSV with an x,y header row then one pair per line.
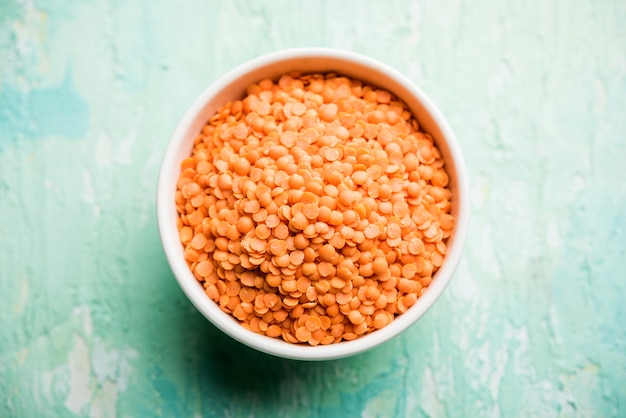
x,y
231,86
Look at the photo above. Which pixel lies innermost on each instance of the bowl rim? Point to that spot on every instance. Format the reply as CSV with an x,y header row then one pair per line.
x,y
194,291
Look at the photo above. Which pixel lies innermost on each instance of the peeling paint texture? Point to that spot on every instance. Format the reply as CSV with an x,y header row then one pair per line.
x,y
92,323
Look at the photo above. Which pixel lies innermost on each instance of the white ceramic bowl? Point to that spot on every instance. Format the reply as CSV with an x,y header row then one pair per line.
x,y
231,87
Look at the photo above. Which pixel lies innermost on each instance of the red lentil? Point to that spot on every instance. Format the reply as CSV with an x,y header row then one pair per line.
x,y
314,210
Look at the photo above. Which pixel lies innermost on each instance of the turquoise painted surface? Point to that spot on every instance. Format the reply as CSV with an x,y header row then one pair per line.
x,y
92,322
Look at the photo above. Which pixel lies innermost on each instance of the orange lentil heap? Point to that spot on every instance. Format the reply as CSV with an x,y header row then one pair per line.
x,y
314,210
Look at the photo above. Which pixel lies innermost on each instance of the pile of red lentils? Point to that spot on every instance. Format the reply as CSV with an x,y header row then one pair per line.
x,y
314,210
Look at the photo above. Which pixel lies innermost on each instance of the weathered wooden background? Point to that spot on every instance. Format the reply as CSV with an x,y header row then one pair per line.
x,y
92,322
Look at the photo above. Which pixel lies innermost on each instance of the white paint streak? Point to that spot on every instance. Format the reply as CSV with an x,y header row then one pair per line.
x,y
105,369
104,404
22,298
554,327
80,384
89,195
84,312
42,384
471,323
519,336
488,367
465,287
480,191
28,33
123,154
113,365
380,405
578,183
92,378
503,75
431,404
21,356
103,156
501,358
553,237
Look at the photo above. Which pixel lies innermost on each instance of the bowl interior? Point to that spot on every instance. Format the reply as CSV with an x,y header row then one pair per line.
x,y
232,87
